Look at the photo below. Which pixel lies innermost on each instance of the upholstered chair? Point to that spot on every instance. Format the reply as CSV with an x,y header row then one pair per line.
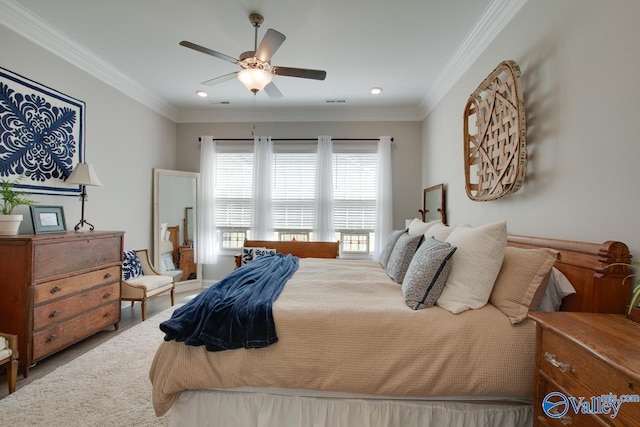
x,y
9,358
142,281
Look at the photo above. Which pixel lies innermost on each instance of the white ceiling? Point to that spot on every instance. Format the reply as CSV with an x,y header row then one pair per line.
x,y
413,49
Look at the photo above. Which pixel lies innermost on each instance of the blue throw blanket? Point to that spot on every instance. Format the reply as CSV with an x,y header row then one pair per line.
x,y
237,311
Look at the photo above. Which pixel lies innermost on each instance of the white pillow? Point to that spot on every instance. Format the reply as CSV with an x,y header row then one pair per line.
x,y
474,266
438,231
417,227
558,288
163,231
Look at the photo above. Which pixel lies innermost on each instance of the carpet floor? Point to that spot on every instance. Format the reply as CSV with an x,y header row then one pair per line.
x,y
107,386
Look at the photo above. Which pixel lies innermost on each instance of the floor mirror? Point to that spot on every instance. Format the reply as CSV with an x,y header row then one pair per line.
x,y
175,200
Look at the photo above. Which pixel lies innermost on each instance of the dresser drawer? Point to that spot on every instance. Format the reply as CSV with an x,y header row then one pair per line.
x,y
61,335
63,309
55,289
570,418
581,374
56,258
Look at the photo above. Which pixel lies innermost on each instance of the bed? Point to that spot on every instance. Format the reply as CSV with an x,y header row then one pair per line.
x,y
351,353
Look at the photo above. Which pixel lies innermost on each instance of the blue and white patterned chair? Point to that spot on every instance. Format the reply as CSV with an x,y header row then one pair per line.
x,y
140,281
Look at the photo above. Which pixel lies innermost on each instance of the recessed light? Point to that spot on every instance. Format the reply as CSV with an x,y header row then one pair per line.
x,y
202,94
376,90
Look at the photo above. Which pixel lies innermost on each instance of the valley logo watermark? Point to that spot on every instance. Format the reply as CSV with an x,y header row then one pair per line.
x,y
556,404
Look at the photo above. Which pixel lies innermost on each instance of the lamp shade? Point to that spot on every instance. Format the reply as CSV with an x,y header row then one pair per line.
x,y
84,174
255,80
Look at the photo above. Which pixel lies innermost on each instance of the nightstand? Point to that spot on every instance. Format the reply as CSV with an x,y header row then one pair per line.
x,y
591,356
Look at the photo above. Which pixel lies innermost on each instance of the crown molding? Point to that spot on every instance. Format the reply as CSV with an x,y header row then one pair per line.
x,y
495,17
300,115
21,21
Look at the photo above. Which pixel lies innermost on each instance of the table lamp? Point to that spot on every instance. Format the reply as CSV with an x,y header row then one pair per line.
x,y
84,175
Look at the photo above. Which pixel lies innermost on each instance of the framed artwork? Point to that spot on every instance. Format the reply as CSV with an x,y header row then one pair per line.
x,y
48,219
41,135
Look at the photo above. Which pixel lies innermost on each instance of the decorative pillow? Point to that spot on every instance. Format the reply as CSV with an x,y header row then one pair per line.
x,y
131,267
474,266
388,247
522,281
260,252
439,231
417,227
246,255
427,273
401,256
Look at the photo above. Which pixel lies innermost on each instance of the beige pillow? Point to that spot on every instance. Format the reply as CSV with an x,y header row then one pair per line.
x,y
522,281
417,227
474,266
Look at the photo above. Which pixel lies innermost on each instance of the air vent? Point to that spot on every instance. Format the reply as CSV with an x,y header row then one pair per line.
x,y
214,102
335,101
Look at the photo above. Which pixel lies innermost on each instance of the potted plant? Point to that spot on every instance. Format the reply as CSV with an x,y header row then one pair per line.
x,y
633,312
10,223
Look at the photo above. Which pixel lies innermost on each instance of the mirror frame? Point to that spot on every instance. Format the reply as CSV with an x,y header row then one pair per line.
x,y
184,285
433,211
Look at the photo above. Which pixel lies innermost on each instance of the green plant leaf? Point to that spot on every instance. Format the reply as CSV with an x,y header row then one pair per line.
x,y
635,299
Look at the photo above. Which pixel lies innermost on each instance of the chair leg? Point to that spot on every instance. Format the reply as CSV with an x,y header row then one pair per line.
x,y
12,375
172,296
132,304
144,310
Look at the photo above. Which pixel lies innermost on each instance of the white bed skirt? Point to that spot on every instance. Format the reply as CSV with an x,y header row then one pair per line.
x,y
237,409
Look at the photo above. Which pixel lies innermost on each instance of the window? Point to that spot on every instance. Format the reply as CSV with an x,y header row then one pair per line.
x,y
234,174
294,168
354,182
293,195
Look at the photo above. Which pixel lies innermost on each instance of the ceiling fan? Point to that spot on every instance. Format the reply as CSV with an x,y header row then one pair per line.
x,y
256,65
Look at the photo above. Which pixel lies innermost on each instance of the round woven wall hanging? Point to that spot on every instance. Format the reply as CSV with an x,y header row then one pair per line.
x,y
495,149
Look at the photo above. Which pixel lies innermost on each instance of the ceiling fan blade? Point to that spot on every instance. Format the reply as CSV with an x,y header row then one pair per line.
x,y
273,91
299,72
208,51
269,44
220,79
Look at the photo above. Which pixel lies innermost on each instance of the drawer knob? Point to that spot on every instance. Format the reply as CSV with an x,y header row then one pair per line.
x,y
551,358
55,289
53,314
106,295
106,314
51,338
108,275
565,419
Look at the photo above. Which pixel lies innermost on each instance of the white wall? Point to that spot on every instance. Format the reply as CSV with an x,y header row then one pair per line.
x,y
579,62
125,141
405,154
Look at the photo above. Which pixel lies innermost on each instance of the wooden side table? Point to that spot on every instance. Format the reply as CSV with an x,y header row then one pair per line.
x,y
586,364
187,262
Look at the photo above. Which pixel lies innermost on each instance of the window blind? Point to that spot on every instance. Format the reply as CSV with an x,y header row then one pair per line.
x,y
293,190
354,180
234,174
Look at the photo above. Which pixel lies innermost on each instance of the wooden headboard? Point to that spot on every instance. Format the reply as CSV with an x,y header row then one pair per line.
x,y
299,249
598,289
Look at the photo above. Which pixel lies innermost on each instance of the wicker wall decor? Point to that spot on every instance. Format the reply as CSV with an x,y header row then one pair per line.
x,y
495,151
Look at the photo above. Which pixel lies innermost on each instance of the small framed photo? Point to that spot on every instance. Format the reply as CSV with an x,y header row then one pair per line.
x,y
48,219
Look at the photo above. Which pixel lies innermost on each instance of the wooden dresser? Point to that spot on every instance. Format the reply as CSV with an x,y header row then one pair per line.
x,y
586,355
57,289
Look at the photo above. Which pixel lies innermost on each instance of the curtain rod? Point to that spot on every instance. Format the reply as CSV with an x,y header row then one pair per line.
x,y
297,139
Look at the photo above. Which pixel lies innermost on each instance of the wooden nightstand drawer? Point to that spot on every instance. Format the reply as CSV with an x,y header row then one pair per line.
x,y
55,289
591,361
578,371
62,309
52,339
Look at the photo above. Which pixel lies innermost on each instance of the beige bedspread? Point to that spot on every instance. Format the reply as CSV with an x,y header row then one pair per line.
x,y
343,326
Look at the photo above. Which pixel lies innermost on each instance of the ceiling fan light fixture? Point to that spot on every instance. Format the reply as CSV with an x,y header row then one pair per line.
x,y
254,79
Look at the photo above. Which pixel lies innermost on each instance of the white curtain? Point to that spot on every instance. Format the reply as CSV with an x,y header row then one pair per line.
x,y
262,209
384,201
206,247
323,210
